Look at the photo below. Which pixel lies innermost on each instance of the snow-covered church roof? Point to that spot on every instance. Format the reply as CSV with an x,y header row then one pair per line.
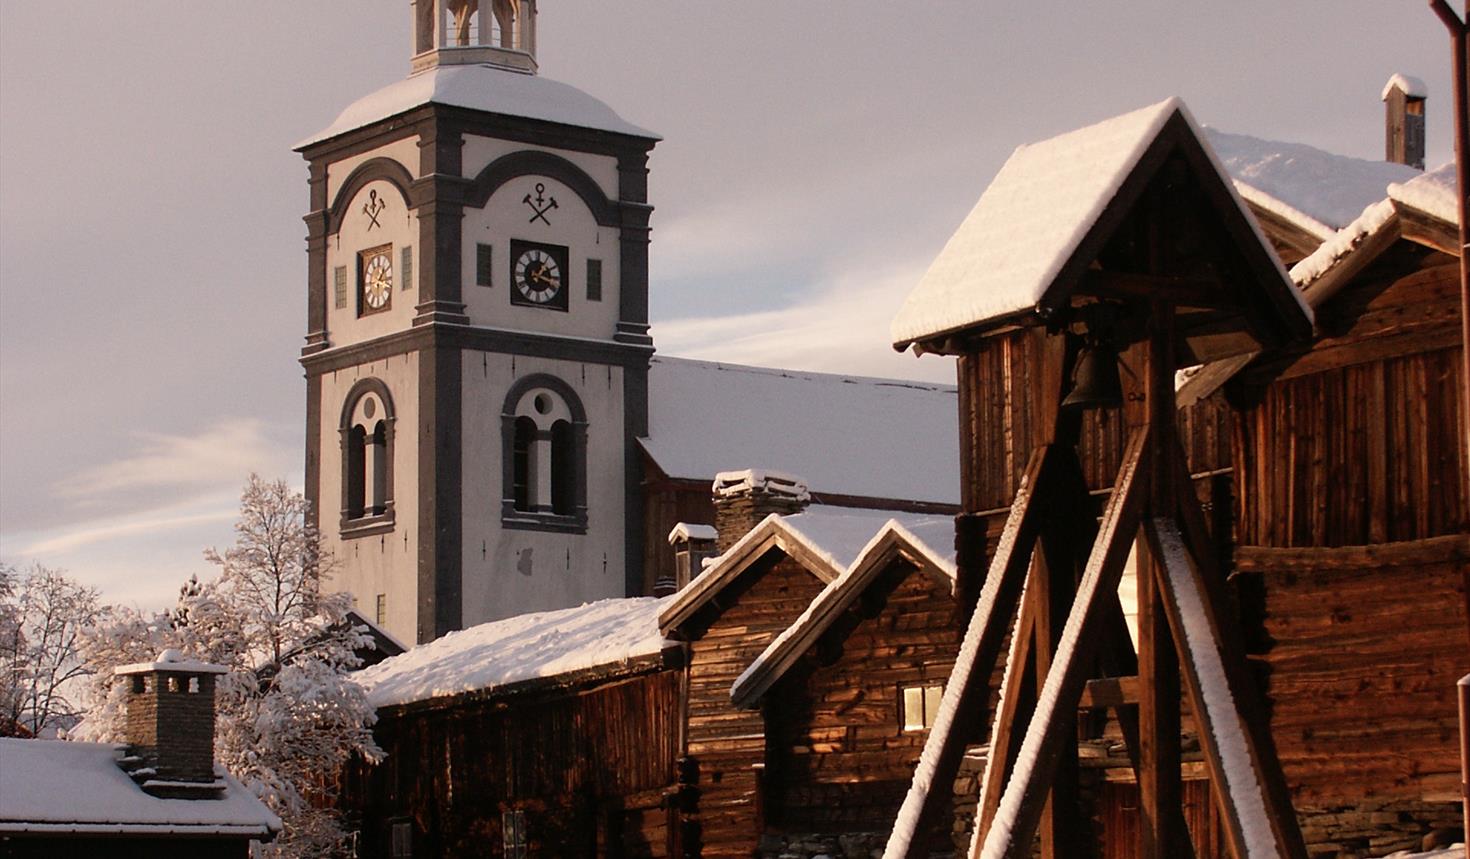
x,y
52,786
482,87
845,435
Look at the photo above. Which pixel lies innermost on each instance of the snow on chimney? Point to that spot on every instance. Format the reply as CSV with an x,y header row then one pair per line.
x,y
743,498
170,727
1403,99
692,545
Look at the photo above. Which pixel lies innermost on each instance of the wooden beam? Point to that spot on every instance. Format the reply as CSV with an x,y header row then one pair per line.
x,y
1184,291
1026,792
962,710
1254,825
1160,791
1110,693
1017,703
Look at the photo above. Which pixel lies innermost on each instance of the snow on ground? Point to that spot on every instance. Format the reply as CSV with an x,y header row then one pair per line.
x,y
839,433
540,644
481,87
1432,192
58,786
1296,180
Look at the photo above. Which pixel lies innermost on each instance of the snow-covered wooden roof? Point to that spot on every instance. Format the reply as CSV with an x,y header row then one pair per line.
x,y
604,634
55,787
839,433
927,541
827,541
1039,225
1432,193
481,87
1318,191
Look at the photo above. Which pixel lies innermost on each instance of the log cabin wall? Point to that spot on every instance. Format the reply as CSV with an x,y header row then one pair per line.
x,y
726,744
666,503
587,768
1352,565
837,756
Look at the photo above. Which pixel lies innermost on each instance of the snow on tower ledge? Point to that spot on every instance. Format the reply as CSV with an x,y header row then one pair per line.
x,y
1413,87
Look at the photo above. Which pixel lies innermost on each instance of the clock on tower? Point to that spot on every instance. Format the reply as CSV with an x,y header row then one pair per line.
x,y
477,339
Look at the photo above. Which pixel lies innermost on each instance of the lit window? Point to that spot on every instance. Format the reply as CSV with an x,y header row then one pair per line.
x,y
513,832
919,705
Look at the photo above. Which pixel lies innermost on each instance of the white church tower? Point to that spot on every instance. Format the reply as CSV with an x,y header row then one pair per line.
x,y
477,343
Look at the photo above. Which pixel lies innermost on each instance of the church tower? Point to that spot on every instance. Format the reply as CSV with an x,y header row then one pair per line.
x,y
477,344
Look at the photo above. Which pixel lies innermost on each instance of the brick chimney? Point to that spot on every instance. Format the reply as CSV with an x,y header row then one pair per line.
x,y
692,545
170,727
1403,100
743,498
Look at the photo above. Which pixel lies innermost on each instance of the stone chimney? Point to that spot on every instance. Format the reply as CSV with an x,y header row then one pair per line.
x,y
743,498
170,727
692,545
1403,100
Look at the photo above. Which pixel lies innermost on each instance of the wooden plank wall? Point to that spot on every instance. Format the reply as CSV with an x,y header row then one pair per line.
x,y
1362,647
726,743
588,767
666,503
836,741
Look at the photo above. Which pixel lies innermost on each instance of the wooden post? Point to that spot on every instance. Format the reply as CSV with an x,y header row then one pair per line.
x,y
1464,690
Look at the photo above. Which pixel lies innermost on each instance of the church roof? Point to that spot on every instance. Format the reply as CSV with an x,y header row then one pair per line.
x,y
481,87
844,435
52,786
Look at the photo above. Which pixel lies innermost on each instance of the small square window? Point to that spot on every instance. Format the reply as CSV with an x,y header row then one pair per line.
x,y
173,684
513,833
594,280
339,287
193,685
918,705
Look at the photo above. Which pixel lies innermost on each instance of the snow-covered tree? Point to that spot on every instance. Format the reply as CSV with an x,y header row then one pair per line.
x,y
289,714
42,615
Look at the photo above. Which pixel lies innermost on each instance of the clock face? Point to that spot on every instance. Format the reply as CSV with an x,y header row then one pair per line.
x,y
538,272
376,266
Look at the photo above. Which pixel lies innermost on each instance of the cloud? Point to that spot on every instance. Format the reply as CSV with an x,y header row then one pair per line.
x,y
841,328
223,453
144,524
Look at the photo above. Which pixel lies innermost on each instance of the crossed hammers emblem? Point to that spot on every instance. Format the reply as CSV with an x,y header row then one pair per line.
x,y
541,205
372,208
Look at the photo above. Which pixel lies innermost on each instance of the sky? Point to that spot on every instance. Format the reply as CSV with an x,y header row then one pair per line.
x,y
816,156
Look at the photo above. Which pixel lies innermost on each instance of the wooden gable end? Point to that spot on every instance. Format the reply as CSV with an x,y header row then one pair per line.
x,y
726,744
838,756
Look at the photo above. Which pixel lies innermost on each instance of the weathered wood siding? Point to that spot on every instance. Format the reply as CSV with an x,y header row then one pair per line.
x,y
589,768
1362,648
728,744
666,503
839,759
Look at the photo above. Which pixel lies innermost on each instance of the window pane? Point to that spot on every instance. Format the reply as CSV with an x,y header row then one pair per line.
x,y
525,436
932,696
913,708
563,470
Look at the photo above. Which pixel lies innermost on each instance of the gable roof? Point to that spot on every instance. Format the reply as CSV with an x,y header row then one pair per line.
x,y
481,87
919,540
1432,193
838,432
613,632
824,540
54,786
1041,220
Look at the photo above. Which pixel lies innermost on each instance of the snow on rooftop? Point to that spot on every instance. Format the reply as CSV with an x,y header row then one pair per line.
x,y
1454,851
1412,86
1343,242
1432,193
1319,191
845,435
685,531
728,484
1027,224
58,786
481,87
842,533
528,646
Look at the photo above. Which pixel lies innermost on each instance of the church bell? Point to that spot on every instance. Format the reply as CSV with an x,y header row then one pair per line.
x,y
1095,381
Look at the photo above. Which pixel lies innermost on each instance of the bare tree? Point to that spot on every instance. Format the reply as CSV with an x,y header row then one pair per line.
x,y
42,616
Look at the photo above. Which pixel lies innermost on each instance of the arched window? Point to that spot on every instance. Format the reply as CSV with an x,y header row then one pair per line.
x,y
545,466
367,459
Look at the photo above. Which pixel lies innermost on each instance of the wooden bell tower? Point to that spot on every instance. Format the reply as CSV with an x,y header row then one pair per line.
x,y
1124,238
